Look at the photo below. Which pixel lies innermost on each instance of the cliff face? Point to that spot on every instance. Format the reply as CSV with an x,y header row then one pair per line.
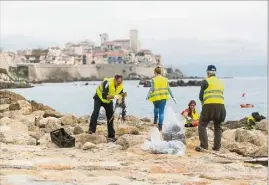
x,y
8,82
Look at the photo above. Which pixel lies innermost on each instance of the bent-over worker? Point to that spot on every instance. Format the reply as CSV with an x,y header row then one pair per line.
x,y
191,115
104,96
253,119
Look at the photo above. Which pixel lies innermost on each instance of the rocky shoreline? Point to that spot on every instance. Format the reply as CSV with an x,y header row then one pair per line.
x,y
7,82
29,157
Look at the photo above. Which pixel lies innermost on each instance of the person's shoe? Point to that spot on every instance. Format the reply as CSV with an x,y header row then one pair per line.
x,y
89,132
160,127
200,149
111,139
216,148
155,120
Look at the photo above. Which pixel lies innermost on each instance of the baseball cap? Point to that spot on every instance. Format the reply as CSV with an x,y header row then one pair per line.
x,y
211,68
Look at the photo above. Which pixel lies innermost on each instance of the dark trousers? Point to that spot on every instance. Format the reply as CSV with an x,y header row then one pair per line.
x,y
203,134
109,113
217,114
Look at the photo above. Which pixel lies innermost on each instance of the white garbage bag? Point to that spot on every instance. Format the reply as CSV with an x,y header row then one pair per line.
x,y
157,146
173,129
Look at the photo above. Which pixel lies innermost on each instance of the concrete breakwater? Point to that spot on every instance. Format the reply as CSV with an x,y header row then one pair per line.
x,y
62,73
179,83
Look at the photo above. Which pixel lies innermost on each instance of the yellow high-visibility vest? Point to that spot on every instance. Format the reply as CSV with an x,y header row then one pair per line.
x,y
111,89
214,93
160,89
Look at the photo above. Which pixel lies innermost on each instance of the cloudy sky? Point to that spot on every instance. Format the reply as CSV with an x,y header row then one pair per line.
x,y
242,22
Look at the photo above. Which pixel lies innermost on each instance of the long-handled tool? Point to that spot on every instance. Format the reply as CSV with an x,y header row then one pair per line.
x,y
120,103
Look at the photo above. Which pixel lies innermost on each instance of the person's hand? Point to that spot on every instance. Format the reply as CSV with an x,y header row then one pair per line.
x,y
175,100
110,97
189,118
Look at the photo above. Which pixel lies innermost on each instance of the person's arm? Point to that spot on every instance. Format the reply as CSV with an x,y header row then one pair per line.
x,y
204,86
151,89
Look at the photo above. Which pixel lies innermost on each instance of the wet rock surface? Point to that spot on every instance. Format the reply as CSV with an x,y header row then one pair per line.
x,y
28,155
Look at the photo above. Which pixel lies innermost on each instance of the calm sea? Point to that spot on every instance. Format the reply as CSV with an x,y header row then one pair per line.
x,y
75,98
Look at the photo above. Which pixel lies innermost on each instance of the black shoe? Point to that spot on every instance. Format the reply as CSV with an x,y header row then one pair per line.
x,y
90,132
160,127
155,120
111,139
216,148
200,149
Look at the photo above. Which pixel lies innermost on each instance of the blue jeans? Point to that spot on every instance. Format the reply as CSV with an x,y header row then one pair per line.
x,y
159,110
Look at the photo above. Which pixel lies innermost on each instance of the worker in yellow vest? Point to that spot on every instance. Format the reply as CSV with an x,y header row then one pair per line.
x,y
253,119
213,109
158,95
104,96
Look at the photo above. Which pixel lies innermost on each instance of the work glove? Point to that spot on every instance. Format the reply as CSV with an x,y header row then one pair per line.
x,y
189,118
175,100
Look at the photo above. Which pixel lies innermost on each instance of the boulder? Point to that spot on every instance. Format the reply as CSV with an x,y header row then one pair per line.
x,y
13,97
235,124
37,134
25,107
243,148
145,119
50,124
69,120
45,140
126,129
128,140
78,130
263,126
5,101
4,108
39,106
88,146
255,137
16,138
191,132
16,114
14,106
95,139
5,121
84,119
29,121
260,151
52,113
229,135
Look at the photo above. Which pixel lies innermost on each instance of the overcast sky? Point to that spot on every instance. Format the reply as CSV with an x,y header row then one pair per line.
x,y
64,21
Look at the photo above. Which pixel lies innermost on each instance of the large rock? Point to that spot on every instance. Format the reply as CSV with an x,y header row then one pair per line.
x,y
263,125
78,130
84,119
235,124
88,146
52,113
11,96
128,140
243,148
255,137
229,135
5,101
16,114
145,119
126,129
39,106
260,151
69,120
5,121
50,124
4,108
45,140
13,126
191,132
92,138
25,107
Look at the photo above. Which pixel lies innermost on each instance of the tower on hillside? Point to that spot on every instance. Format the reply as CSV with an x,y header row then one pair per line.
x,y
104,37
134,42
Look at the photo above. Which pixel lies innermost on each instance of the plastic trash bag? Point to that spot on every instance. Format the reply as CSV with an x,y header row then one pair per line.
x,y
157,146
173,129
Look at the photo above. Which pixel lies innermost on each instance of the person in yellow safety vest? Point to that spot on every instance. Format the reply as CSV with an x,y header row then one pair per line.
x,y
213,109
191,115
104,96
158,95
253,119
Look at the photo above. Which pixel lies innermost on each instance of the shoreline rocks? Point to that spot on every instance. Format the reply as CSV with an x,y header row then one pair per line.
x,y
25,140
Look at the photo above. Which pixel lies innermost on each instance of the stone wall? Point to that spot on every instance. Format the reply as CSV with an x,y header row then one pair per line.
x,y
51,72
